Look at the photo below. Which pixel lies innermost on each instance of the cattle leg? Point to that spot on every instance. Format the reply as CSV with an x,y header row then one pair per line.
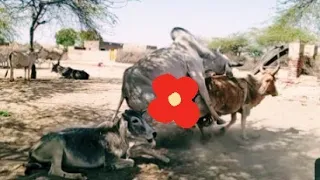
x,y
119,105
201,130
25,73
11,73
140,150
29,73
244,115
56,163
233,120
122,163
199,78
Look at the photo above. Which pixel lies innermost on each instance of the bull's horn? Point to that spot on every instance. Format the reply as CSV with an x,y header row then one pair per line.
x,y
274,72
262,68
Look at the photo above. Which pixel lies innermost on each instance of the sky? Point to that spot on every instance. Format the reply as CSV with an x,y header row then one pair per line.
x,y
150,21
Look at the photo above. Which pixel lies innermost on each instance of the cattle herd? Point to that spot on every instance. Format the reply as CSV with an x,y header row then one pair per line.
x,y
113,144
28,59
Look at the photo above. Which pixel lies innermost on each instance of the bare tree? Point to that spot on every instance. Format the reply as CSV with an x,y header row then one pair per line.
x,y
6,27
90,14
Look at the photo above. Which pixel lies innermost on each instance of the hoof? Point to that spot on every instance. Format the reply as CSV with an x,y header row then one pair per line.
x,y
205,138
165,159
220,122
82,177
245,138
222,131
256,136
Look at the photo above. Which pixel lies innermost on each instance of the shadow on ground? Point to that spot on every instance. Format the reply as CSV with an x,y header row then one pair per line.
x,y
21,91
18,135
274,155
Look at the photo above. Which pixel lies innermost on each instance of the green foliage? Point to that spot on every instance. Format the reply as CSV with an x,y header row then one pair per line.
x,y
302,13
66,37
90,35
2,40
6,29
280,33
234,43
255,51
4,114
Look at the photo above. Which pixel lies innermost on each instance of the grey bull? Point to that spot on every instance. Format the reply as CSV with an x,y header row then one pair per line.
x,y
185,57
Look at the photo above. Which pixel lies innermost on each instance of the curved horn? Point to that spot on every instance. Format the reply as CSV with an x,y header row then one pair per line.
x,y
274,72
262,68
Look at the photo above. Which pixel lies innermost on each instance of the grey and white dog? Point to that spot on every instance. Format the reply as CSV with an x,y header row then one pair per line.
x,y
104,146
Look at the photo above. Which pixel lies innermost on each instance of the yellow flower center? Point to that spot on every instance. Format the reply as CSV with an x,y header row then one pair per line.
x,y
174,99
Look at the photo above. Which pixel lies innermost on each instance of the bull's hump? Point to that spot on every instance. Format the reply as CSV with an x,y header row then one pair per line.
x,y
156,68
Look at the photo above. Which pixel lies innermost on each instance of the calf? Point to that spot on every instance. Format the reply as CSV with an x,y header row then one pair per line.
x,y
239,95
69,73
19,59
108,145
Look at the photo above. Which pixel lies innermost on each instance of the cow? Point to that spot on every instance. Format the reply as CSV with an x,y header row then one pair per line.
x,y
19,59
69,73
185,57
3,60
4,53
239,95
108,146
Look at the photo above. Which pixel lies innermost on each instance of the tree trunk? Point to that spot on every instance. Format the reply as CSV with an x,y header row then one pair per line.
x,y
33,69
31,38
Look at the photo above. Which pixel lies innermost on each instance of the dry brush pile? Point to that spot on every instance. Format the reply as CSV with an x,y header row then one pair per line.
x,y
124,56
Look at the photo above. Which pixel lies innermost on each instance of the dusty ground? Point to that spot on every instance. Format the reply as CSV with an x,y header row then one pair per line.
x,y
286,149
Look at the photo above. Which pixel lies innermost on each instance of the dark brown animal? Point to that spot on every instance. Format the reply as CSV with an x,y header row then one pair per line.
x,y
240,95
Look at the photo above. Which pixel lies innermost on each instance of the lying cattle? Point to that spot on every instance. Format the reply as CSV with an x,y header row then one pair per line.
x,y
105,146
185,57
69,73
24,60
239,95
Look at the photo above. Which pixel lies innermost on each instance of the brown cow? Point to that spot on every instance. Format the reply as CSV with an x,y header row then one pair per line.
x,y
239,95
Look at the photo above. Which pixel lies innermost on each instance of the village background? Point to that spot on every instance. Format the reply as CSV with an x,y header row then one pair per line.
x,y
288,124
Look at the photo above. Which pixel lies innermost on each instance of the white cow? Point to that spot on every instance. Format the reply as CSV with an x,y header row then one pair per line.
x,y
18,59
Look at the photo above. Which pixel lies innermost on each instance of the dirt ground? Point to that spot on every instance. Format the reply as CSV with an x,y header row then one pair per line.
x,y
288,126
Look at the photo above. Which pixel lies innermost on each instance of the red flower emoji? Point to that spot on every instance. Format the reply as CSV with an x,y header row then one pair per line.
x,y
173,101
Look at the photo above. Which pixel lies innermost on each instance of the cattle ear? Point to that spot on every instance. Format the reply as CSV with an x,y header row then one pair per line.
x,y
125,116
